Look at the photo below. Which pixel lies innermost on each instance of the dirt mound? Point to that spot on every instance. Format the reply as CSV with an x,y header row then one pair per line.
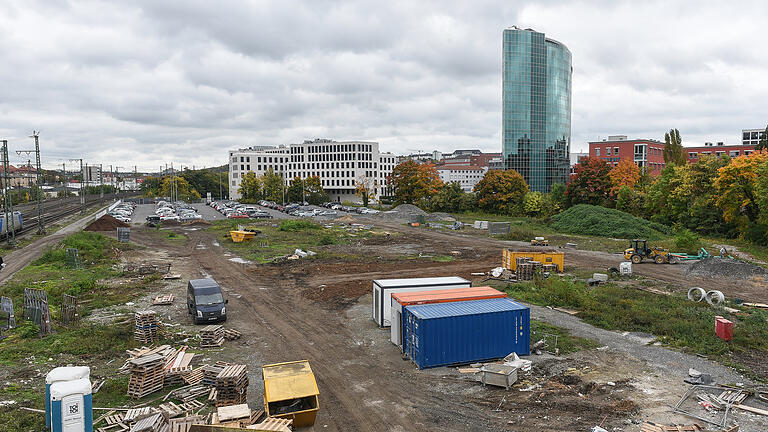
x,y
106,223
439,217
170,222
404,212
724,267
346,219
198,222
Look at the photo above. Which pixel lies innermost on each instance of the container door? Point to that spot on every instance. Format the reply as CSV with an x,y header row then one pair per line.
x,y
73,413
398,325
376,306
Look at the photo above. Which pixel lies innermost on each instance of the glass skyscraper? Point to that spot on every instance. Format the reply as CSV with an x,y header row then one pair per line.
x,y
536,120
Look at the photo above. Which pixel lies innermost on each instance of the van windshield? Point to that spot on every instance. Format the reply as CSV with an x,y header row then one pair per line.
x,y
208,299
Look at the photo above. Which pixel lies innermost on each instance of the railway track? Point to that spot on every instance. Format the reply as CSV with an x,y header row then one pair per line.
x,y
57,209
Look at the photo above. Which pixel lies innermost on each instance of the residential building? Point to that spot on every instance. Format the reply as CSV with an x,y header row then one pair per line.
x,y
340,165
536,107
720,149
23,176
469,157
752,136
466,175
648,154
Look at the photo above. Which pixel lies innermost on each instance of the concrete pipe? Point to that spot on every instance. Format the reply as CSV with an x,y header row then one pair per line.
x,y
715,297
696,294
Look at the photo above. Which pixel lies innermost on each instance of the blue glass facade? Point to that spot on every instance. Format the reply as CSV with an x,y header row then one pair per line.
x,y
536,97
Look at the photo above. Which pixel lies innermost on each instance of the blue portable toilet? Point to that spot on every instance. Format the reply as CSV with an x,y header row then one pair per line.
x,y
71,406
60,374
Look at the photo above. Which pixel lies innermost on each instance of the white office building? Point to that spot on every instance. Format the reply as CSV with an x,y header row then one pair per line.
x,y
340,165
752,136
466,175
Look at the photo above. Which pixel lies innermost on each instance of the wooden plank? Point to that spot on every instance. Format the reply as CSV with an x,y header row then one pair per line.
x,y
233,412
751,409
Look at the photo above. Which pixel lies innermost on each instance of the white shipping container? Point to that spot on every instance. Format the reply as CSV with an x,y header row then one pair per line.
x,y
381,307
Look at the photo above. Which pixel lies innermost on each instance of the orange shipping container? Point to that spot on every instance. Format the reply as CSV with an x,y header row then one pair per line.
x,y
435,296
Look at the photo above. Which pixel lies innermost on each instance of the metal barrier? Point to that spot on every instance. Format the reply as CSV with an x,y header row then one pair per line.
x,y
6,307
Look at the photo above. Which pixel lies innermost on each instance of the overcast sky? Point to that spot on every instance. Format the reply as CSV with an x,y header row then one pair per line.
x,y
152,82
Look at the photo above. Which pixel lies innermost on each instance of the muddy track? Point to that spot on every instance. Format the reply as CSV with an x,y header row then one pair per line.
x,y
358,392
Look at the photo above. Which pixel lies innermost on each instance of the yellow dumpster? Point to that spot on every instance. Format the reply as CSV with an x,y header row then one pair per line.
x,y
290,392
509,258
241,236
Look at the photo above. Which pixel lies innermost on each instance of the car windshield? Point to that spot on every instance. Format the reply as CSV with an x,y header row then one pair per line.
x,y
209,299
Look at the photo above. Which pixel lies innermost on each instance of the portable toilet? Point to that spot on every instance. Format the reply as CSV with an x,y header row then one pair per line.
x,y
59,374
71,406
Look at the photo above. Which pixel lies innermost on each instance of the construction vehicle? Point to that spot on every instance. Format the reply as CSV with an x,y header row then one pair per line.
x,y
539,241
638,251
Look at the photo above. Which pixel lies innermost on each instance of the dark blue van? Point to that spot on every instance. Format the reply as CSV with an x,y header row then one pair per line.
x,y
205,301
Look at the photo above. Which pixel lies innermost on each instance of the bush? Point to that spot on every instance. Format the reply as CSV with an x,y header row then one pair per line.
x,y
757,234
600,221
326,239
294,225
687,241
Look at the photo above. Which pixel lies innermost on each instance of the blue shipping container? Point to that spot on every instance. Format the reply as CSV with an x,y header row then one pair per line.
x,y
441,334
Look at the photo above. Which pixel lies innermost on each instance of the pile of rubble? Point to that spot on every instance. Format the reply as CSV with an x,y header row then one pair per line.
x,y
725,267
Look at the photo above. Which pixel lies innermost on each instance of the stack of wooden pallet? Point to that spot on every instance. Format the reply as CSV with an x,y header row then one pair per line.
x,y
550,268
166,351
210,372
146,327
189,393
147,374
653,427
232,385
183,424
211,336
524,271
171,410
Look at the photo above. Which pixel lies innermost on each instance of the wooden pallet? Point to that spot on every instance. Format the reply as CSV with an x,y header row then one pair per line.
x,y
182,424
211,336
114,419
189,393
145,327
135,414
117,427
274,424
232,334
147,375
163,300
153,423
733,396
194,376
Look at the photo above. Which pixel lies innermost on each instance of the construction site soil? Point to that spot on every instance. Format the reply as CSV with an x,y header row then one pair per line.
x,y
106,223
319,309
725,267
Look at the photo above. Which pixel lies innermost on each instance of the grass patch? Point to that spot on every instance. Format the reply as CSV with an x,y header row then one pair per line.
x,y
601,221
280,239
566,343
676,321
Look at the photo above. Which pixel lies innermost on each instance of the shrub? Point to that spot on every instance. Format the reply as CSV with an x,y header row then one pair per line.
x,y
687,241
326,239
294,225
600,221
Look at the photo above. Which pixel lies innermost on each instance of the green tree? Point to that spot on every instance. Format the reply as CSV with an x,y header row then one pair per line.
x,y
449,199
591,185
295,192
181,188
272,185
150,188
313,188
761,187
533,203
208,180
737,184
501,192
673,148
250,187
763,144
414,183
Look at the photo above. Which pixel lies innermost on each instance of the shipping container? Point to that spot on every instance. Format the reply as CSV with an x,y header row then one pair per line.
x,y
437,296
384,288
509,258
441,334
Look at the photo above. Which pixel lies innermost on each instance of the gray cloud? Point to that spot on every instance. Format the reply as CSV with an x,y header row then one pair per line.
x,y
149,82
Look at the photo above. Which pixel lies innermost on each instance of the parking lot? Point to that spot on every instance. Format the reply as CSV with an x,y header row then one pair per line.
x,y
141,212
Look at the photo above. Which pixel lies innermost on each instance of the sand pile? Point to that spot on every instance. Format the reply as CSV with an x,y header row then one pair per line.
x,y
724,267
106,223
403,212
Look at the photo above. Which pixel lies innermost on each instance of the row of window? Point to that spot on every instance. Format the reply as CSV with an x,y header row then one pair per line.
x,y
332,148
732,153
267,159
754,135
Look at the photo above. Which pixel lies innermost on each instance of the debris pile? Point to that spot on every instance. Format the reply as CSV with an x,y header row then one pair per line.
x,y
146,327
723,267
439,217
106,223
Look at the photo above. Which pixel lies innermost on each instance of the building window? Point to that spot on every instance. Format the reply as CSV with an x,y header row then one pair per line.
x,y
615,151
597,151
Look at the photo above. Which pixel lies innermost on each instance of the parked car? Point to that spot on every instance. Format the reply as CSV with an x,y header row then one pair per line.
x,y
259,214
205,301
237,215
169,217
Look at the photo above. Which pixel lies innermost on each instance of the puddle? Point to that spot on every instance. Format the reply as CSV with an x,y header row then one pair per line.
x,y
239,260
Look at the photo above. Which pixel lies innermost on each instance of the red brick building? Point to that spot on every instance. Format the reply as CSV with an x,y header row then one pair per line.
x,y
648,154
708,149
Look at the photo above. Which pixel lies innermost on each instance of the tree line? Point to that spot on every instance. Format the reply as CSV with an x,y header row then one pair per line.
x,y
270,186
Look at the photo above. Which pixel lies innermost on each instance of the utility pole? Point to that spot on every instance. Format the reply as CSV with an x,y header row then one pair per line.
x,y
82,180
101,184
7,199
39,181
220,192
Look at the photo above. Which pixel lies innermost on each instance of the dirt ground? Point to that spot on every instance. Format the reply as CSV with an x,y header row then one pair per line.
x,y
319,310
